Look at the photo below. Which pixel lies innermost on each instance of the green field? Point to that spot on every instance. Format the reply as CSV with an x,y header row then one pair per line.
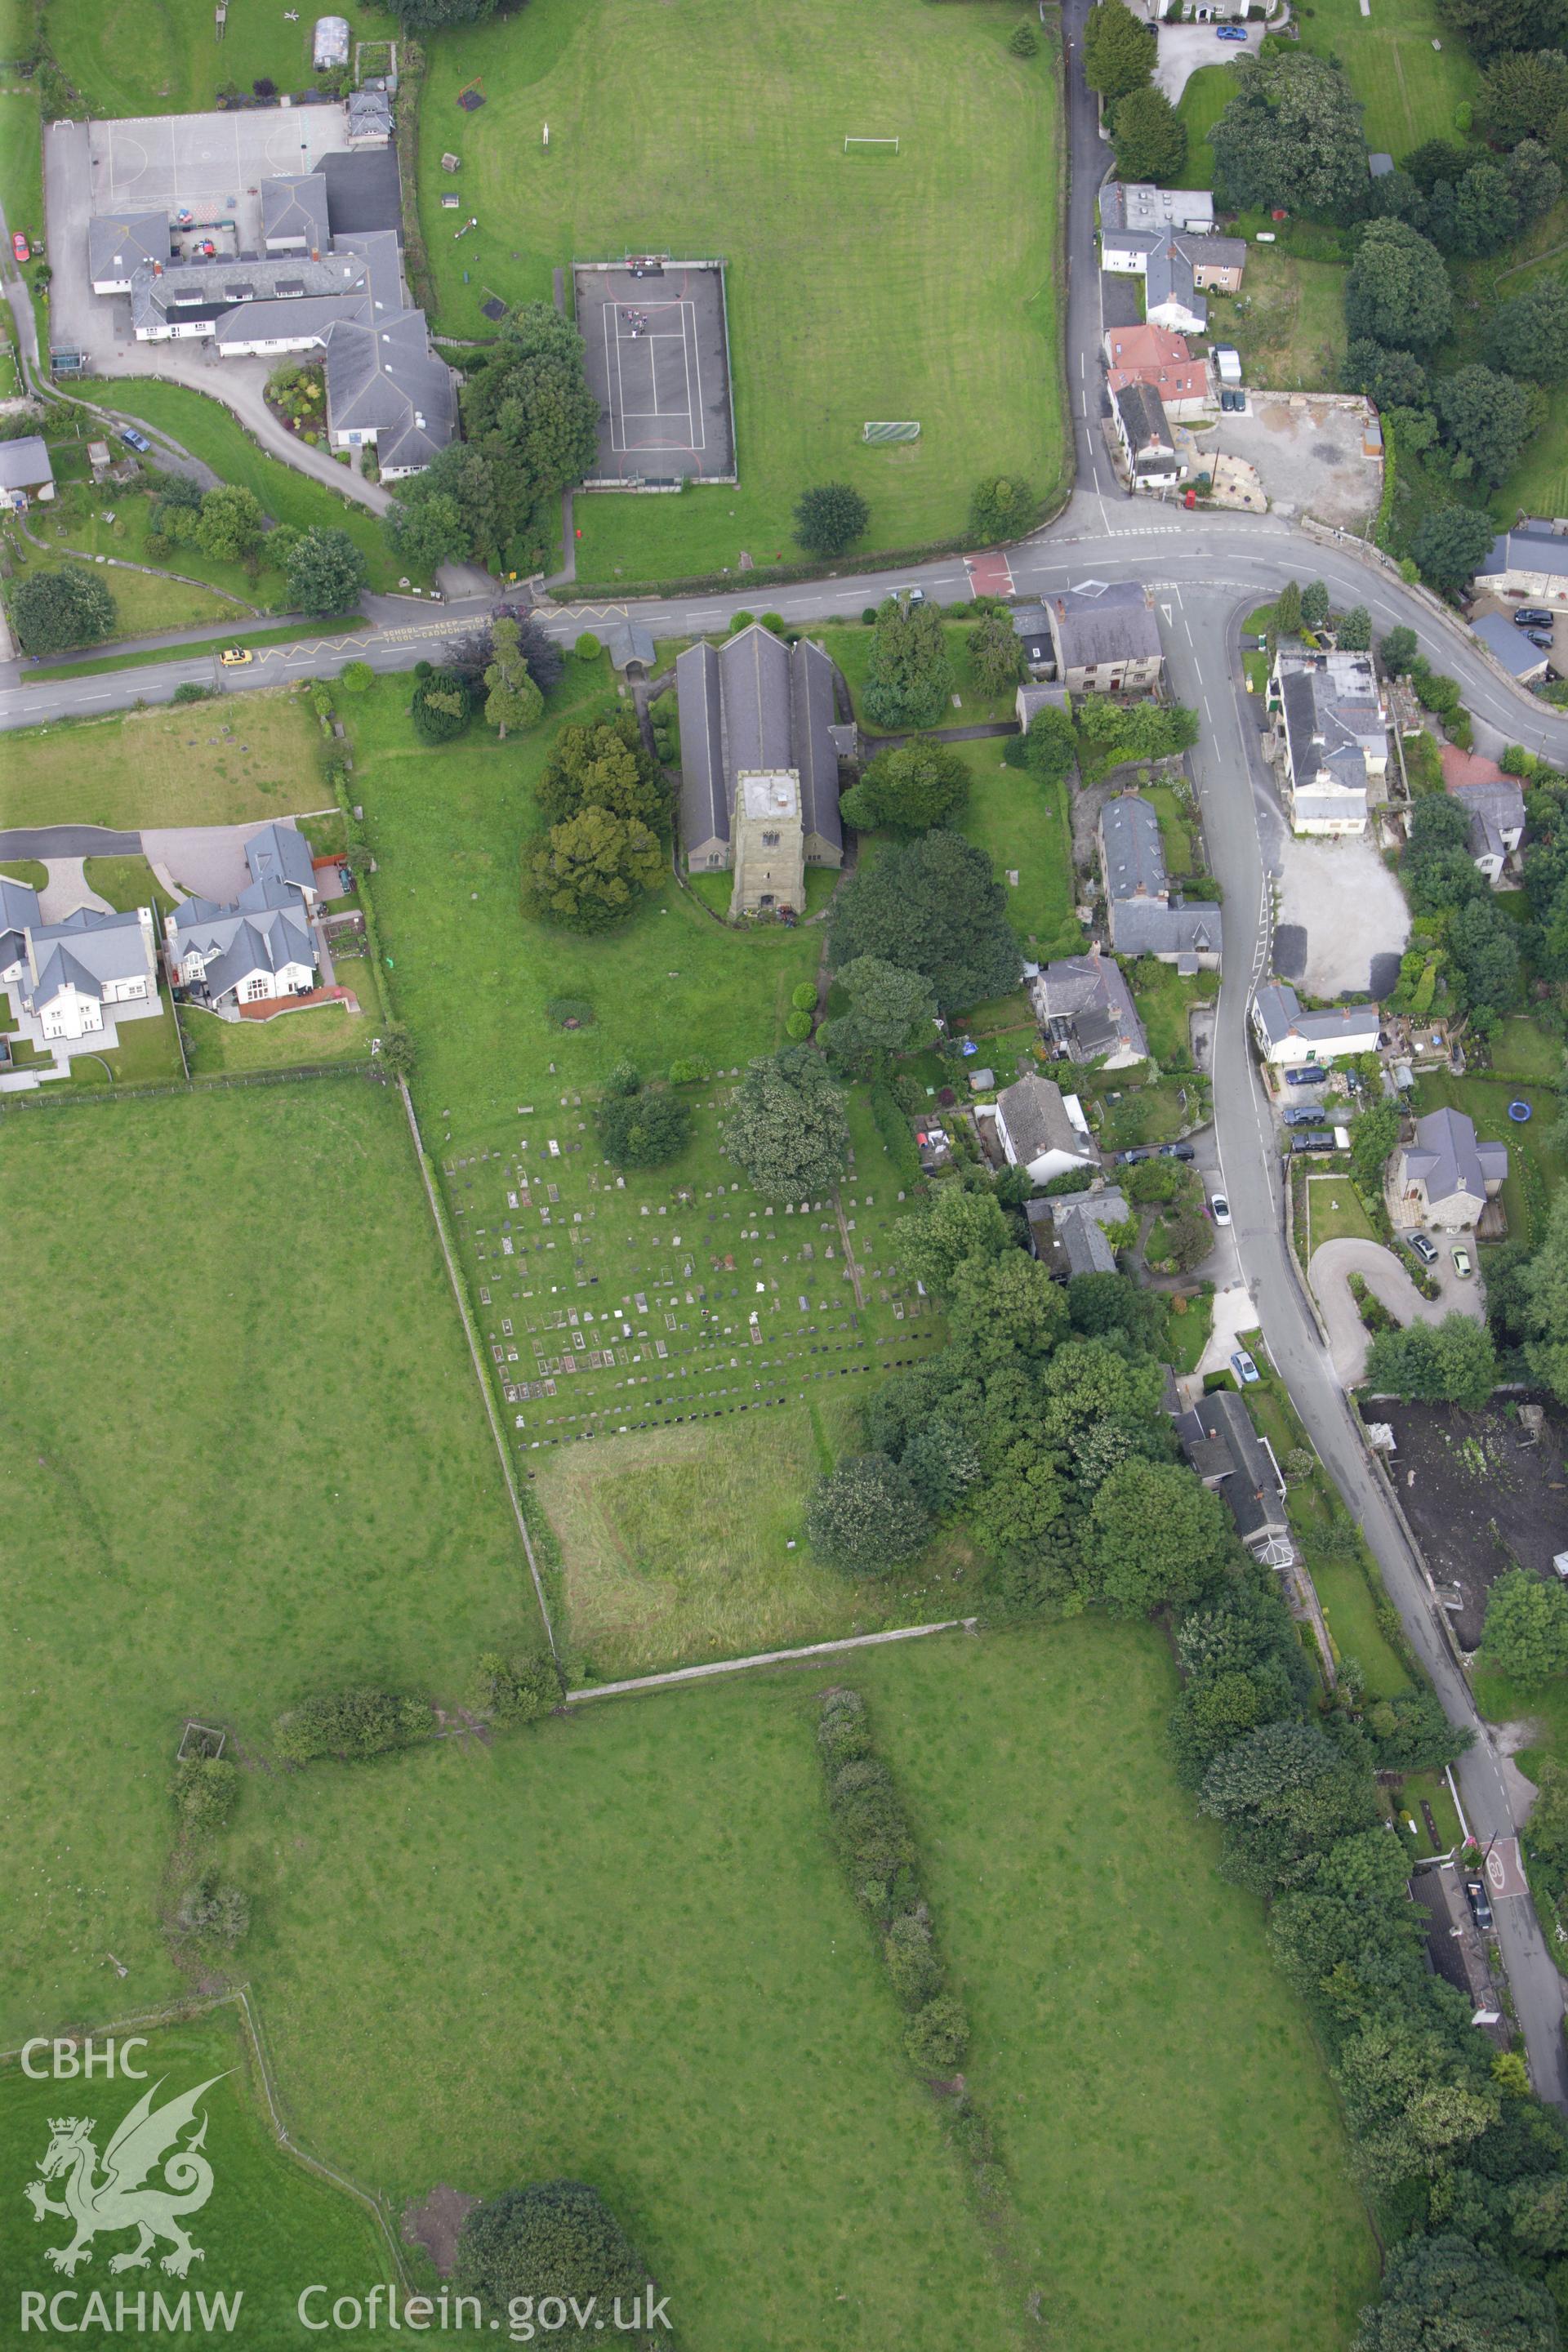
x,y
1024,827
317,1032
854,291
128,59
1334,1212
1288,324
246,1459
1204,100
1409,88
466,1960
252,755
269,2227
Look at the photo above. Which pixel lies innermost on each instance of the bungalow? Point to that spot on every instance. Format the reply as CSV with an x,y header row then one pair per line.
x,y
1331,735
1039,1132
1443,1176
1155,357
1144,434
259,948
1288,1037
73,970
1147,913
1106,637
1494,804
25,473
1531,563
1085,1008
1233,1461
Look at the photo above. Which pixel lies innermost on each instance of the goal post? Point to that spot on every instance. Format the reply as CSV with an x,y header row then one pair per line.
x,y
873,147
907,430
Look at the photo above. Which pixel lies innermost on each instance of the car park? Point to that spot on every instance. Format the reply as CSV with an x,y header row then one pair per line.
x,y
1480,1907
1219,1208
1242,1365
1462,1265
1532,616
132,439
1310,1074
1423,1247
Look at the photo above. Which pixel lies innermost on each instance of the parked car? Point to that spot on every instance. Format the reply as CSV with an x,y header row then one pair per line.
x,y
1302,1114
1219,1208
1310,1074
1532,616
20,246
1177,1151
1312,1138
1130,1158
235,656
1242,1365
1462,1265
134,440
917,595
1422,1246
1229,400
1229,33
1480,1909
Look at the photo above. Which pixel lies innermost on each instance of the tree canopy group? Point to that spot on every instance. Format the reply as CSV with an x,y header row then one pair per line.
x,y
1148,134
606,801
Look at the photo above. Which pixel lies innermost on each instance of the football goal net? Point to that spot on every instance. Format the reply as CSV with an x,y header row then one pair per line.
x,y
870,147
904,432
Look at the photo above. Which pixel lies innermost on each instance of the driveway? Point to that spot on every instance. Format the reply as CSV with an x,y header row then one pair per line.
x,y
207,861
1343,922
1390,1284
1185,47
65,889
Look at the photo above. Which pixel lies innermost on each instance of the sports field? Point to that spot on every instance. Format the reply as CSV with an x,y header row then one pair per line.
x,y
618,1947
856,289
247,1458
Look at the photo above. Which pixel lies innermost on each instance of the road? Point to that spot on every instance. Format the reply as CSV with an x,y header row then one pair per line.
x,y
1206,572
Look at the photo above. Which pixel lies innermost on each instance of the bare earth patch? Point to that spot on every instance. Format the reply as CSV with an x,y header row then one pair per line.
x,y
436,2224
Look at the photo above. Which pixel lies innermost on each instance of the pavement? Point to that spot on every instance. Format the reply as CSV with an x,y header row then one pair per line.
x,y
1185,47
1329,1271
66,889
206,860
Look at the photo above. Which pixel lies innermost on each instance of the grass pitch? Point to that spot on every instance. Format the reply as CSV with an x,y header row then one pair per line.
x,y
854,293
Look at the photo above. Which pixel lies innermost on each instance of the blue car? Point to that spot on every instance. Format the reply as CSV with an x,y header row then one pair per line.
x,y
1229,33
134,440
1242,1365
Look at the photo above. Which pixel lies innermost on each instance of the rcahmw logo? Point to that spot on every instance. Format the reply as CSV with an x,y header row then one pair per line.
x,y
150,2180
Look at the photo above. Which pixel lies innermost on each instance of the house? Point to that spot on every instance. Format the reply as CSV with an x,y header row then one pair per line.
x,y
1085,1007
369,116
1147,913
73,970
1156,357
1037,1131
1157,235
390,391
1106,639
1494,804
259,948
294,214
1144,434
1458,1950
280,853
120,243
26,474
1032,628
1233,1461
1069,1237
19,914
1331,736
1288,1037
755,706
1135,204
1531,562
1443,1176
1511,647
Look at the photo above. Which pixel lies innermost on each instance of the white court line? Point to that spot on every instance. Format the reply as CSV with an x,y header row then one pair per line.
x,y
693,426
617,446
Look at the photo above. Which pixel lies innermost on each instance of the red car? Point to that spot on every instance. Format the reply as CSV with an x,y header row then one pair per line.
x,y
20,247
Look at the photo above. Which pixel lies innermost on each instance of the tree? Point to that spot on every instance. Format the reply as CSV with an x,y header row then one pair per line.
x,y
1535,181
1445,2295
213,1911
998,654
1354,630
513,699
515,1689
426,524
603,765
441,708
908,676
558,2239
1526,1634
1529,335
1284,1792
1398,650
1452,1362
959,1229
1118,50
326,572
1287,611
1544,1286
1154,1535
51,611
786,1126
1148,136
830,518
1486,210
1486,416
591,870
398,1054
1050,746
1397,291
1314,605
531,428
350,1724
1373,1136
356,678
866,1517
641,1126
1522,94
909,790
1292,137
1002,507
229,528
890,1010
1449,542
1489,26
932,906
1392,379
1006,1305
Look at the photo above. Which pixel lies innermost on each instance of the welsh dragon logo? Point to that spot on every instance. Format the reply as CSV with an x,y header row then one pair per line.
x,y
114,2197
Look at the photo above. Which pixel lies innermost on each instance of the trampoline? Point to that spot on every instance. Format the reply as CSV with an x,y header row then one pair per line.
x,y
1519,1112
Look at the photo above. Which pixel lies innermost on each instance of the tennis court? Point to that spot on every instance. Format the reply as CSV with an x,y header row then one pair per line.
x,y
658,362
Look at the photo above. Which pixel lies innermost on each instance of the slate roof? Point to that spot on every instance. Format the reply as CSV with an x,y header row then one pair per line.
x,y
1534,547
89,949
1510,645
1144,920
1137,204
1225,1449
1278,1011
1142,414
1090,994
363,191
209,288
119,243
1080,1221
1092,626
1333,722
280,853
18,915
370,114
1037,1120
382,374
628,641
1495,811
25,464
755,702
1446,1158
1031,624
295,207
